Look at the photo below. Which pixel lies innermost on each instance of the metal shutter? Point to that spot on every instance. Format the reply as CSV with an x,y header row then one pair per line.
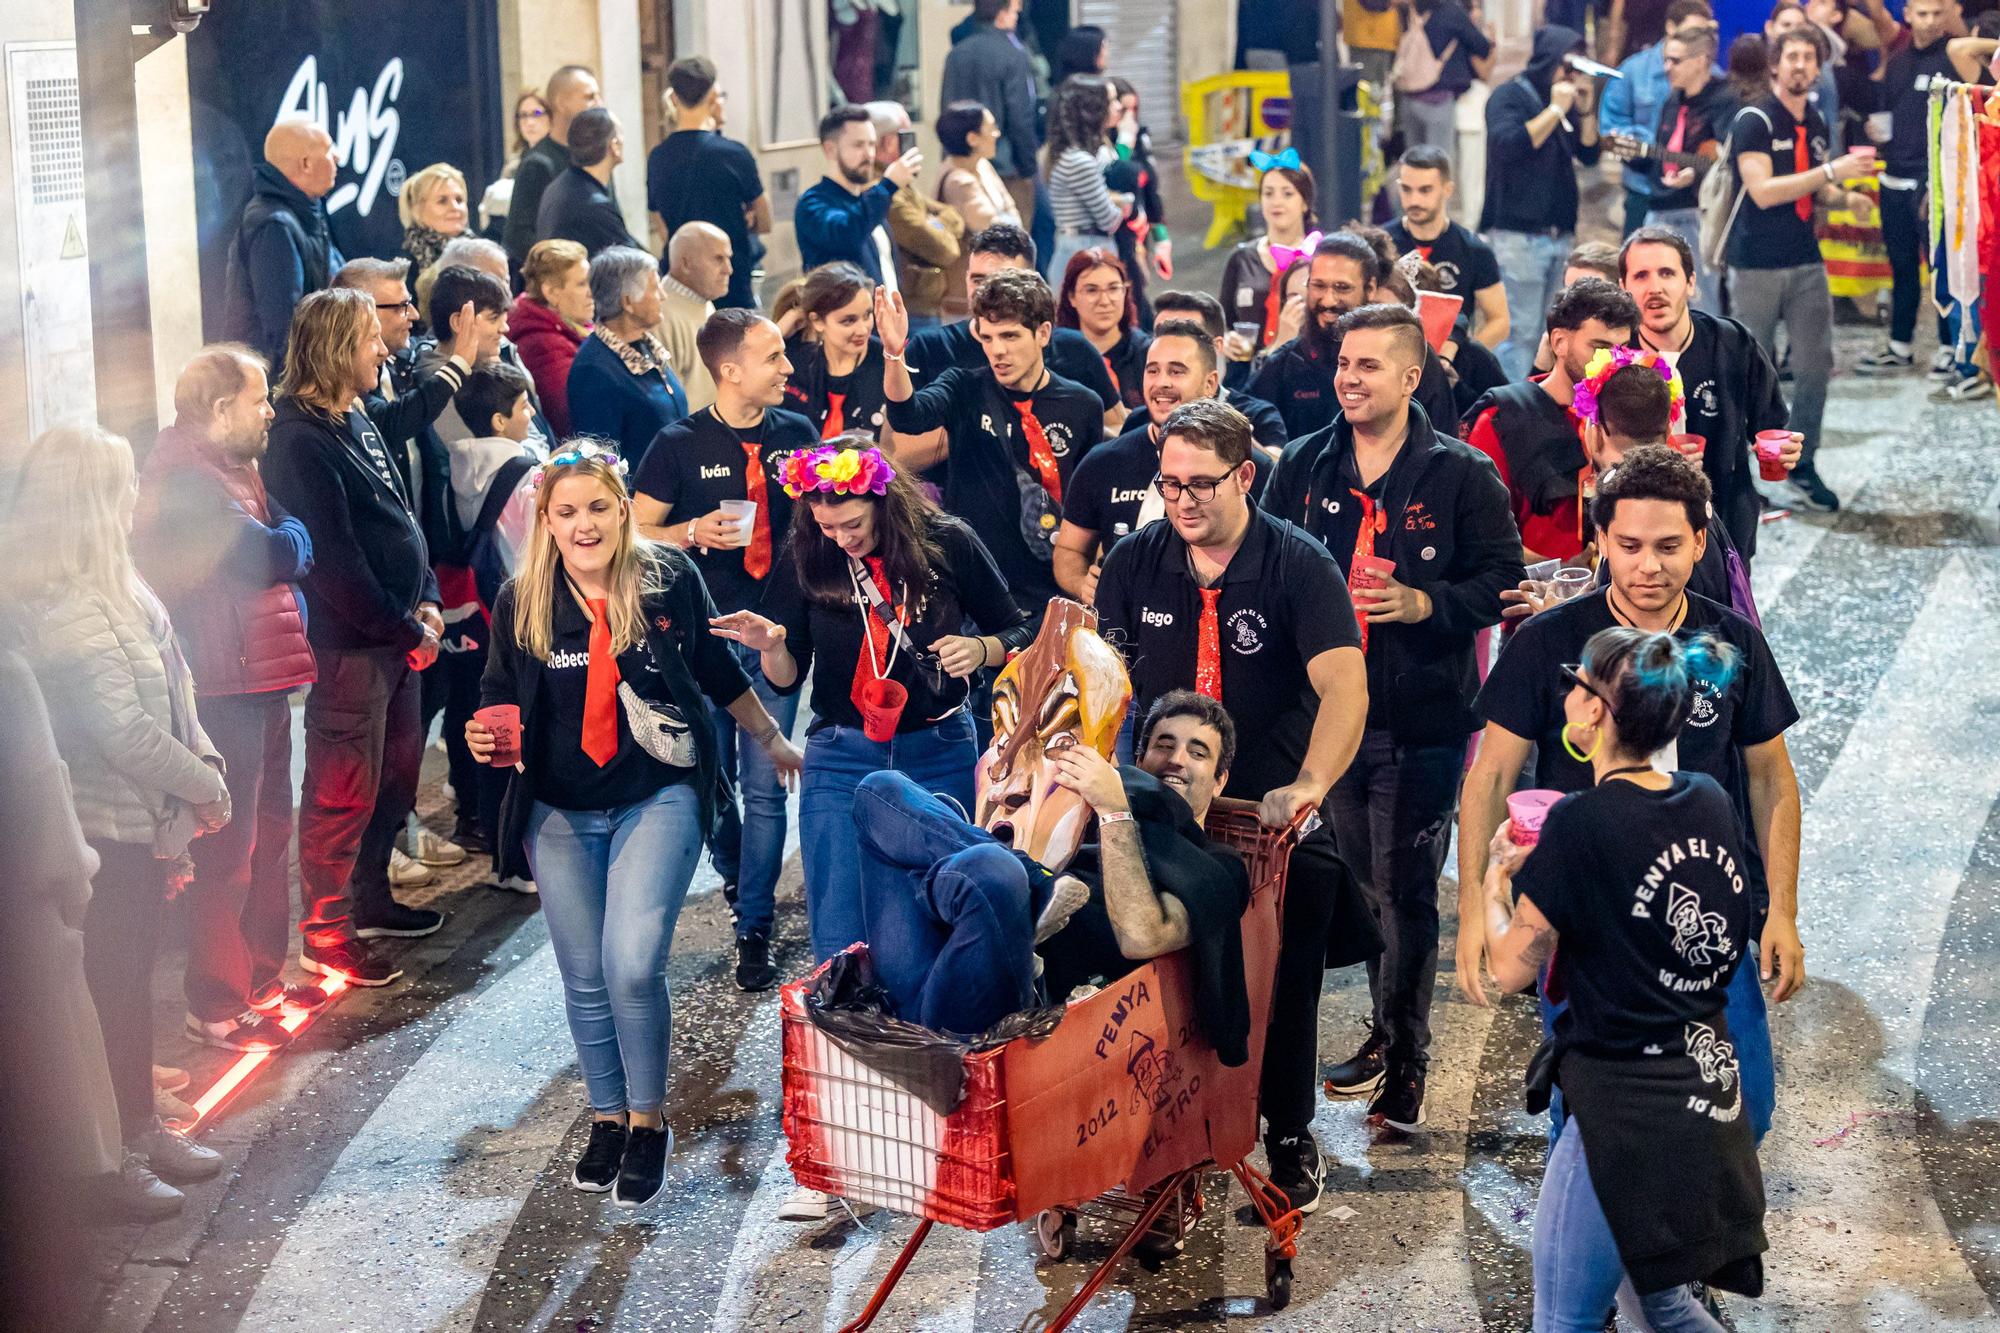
x,y
47,134
1146,53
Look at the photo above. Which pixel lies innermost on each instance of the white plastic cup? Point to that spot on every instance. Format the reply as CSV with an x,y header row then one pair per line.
x,y
745,514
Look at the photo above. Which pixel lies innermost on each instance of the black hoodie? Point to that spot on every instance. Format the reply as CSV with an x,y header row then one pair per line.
x,y
1529,188
1452,535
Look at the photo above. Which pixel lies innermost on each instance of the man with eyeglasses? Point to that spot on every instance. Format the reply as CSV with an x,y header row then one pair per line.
x,y
1231,601
1346,274
1381,484
1651,518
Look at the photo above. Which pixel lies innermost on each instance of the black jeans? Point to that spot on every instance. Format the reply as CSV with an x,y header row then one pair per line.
x,y
1289,1091
1903,237
1391,814
121,934
364,746
241,910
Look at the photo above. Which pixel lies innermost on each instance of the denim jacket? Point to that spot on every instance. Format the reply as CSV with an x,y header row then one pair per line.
x,y
1632,106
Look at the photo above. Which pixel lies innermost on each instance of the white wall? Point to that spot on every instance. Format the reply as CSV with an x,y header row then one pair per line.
x,y
18,23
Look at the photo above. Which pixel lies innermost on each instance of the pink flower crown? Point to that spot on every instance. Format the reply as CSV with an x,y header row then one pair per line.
x,y
582,451
837,471
1609,361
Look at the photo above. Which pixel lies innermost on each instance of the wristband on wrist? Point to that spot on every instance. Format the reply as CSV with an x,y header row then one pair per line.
x,y
1114,817
888,355
1160,231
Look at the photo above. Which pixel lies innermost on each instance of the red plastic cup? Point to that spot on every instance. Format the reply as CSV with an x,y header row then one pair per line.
x,y
504,721
1694,446
1770,445
1439,312
881,703
1372,571
1527,810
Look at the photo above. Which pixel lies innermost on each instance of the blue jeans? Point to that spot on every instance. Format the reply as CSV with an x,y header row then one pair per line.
x,y
1531,270
1577,1269
612,883
1749,1030
749,849
949,912
939,758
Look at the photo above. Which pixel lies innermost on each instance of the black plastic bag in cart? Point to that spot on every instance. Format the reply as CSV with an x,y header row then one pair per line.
x,y
848,1003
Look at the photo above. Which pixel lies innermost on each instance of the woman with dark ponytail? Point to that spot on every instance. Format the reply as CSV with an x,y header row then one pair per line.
x,y
1643,879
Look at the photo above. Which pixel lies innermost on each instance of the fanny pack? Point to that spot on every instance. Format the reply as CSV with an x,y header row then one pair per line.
x,y
660,729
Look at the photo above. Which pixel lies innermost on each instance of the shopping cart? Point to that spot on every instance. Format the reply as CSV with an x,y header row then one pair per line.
x,y
1116,1114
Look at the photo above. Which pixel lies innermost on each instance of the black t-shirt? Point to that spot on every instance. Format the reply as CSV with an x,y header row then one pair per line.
x,y
566,777
1465,264
1267,424
1775,237
1112,481
1650,894
810,390
1708,115
1069,354
699,176
1907,154
825,638
1126,364
989,457
1284,602
698,462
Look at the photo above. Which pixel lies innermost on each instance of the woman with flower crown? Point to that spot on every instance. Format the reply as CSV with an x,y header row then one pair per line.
x,y
872,594
599,644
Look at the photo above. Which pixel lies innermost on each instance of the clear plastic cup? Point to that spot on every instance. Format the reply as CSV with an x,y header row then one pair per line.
x,y
1570,581
745,514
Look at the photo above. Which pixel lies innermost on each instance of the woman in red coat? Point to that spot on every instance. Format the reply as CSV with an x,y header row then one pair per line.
x,y
549,319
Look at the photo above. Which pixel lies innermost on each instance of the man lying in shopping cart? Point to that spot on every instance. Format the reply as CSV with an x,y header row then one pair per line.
x,y
956,912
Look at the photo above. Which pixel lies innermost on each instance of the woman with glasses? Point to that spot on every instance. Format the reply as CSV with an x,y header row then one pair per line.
x,y
874,589
1096,296
531,126
1637,888
598,644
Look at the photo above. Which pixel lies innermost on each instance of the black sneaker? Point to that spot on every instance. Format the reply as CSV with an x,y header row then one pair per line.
x,y
642,1177
753,963
597,1170
468,836
1362,1073
248,1031
1885,360
280,996
1399,1102
400,923
351,959
1296,1168
1812,493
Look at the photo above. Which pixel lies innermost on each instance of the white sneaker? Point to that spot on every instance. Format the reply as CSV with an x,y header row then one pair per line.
x,y
407,873
804,1205
1068,894
1944,366
419,843
516,884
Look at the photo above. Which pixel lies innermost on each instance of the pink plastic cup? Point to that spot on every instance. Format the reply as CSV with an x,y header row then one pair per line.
x,y
504,721
1770,446
1372,571
1694,446
1527,810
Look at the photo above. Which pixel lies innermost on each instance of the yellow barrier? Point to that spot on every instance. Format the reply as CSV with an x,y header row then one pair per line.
x,y
1226,108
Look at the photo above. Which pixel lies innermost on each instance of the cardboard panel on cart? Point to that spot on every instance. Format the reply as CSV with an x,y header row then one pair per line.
x,y
1126,1091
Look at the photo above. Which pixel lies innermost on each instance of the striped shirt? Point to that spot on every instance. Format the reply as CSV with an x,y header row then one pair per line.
x,y
1078,196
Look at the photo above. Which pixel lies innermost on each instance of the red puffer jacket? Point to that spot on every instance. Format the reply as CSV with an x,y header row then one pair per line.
x,y
224,558
548,344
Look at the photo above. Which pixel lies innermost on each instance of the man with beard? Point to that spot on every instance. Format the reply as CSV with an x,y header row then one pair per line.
x,y
1297,378
1776,274
1731,385
1538,125
846,215
1248,610
225,559
1530,433
1113,487
1380,483
1650,514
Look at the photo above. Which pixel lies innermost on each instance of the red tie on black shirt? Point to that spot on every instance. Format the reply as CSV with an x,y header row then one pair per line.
x,y
1039,453
873,662
1373,521
1802,163
1208,647
836,416
600,689
757,560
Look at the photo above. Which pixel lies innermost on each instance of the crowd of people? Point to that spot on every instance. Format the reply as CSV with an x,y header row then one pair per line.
x,y
597,514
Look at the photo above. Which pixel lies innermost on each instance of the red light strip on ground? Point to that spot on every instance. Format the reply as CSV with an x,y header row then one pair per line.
x,y
234,1077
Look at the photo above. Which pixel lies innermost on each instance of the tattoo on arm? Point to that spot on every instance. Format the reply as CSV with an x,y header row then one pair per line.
x,y
1540,943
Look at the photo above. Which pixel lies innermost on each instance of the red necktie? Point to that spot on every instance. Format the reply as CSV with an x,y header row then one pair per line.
x,y
757,560
1679,135
1274,305
600,689
1373,521
1801,164
1208,647
1039,453
1115,386
836,416
873,663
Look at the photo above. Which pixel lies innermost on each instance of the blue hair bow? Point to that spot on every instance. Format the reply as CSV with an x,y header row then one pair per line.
x,y
1265,161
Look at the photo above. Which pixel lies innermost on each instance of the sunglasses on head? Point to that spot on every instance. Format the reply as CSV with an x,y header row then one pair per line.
x,y
1573,673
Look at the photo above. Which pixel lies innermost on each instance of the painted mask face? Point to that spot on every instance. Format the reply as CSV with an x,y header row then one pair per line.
x,y
1068,688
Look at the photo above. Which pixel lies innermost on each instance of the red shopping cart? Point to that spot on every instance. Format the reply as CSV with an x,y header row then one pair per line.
x,y
1116,1114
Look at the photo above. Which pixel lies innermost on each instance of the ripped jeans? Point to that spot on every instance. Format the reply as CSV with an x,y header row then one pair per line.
x,y
1392,814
